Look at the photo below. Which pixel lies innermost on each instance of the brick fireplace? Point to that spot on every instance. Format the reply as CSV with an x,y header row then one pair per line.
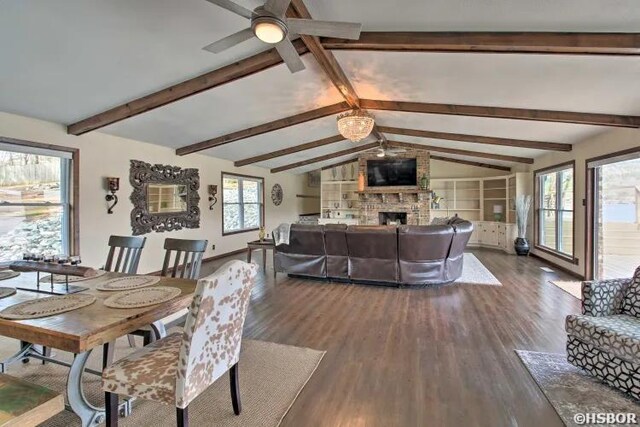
x,y
409,200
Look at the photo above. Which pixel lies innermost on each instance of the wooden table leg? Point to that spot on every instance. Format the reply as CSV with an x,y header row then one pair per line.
x,y
264,260
248,254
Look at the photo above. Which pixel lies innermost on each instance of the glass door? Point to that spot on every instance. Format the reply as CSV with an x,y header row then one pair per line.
x,y
616,217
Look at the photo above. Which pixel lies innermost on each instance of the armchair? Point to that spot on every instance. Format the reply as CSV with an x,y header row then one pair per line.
x,y
605,339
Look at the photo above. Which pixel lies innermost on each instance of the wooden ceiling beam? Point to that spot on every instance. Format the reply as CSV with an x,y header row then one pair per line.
x,y
477,139
264,128
325,58
330,156
595,119
243,68
460,152
493,42
290,150
344,162
471,163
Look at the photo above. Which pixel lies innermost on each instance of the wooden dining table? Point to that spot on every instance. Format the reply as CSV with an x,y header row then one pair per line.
x,y
81,331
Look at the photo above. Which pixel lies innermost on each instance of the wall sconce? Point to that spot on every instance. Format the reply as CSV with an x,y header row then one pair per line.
x,y
113,185
213,191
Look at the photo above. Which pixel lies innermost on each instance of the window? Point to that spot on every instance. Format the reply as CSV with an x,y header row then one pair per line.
x,y
36,200
554,214
242,203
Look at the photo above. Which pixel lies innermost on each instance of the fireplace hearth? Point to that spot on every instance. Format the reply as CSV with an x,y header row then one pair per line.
x,y
387,218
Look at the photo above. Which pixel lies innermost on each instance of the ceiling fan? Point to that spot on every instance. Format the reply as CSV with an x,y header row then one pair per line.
x,y
269,24
385,151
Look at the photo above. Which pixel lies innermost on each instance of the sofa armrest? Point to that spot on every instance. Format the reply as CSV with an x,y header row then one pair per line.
x,y
603,297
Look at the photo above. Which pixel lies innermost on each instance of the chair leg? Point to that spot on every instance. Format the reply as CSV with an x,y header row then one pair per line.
x,y
235,389
111,408
132,341
107,353
46,351
182,417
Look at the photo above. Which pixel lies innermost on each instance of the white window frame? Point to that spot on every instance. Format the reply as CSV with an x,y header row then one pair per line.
x,y
68,172
241,203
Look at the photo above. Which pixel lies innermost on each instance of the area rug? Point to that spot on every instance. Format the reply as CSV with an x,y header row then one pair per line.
x,y
571,392
271,377
475,273
571,287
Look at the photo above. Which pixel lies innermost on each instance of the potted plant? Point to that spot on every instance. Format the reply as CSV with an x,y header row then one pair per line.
x,y
523,206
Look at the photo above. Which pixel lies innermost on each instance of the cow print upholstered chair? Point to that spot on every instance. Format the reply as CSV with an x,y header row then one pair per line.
x,y
176,369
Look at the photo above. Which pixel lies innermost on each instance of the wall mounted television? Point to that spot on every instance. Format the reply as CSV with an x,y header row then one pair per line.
x,y
391,172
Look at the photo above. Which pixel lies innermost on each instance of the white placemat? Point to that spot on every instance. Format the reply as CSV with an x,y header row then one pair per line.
x,y
127,283
43,307
142,297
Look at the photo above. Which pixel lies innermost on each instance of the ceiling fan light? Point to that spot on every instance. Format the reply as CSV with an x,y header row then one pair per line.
x,y
355,125
380,154
269,32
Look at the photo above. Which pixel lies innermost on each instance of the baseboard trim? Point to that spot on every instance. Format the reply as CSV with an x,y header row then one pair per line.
x,y
557,266
209,259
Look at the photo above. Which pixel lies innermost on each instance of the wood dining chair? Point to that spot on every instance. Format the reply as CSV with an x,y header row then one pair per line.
x,y
183,259
126,251
177,368
188,258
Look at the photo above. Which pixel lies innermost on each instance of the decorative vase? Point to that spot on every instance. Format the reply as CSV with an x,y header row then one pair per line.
x,y
521,246
261,234
361,181
424,182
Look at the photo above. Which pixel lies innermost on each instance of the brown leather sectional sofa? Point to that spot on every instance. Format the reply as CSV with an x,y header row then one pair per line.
x,y
402,255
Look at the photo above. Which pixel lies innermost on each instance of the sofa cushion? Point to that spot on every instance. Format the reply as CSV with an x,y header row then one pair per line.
x,y
631,302
618,334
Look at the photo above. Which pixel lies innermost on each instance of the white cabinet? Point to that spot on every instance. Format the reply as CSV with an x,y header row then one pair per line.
x,y
492,234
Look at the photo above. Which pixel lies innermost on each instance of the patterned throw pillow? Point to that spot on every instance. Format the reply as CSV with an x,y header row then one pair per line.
x,y
631,303
440,221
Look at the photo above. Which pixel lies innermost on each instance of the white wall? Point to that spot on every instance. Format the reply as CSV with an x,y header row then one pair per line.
x,y
103,155
604,143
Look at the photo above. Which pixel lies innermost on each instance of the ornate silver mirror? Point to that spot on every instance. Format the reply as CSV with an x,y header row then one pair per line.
x,y
165,198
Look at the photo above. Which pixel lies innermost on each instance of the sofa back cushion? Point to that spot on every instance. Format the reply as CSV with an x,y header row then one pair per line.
x,y
631,302
424,242
373,253
335,239
305,239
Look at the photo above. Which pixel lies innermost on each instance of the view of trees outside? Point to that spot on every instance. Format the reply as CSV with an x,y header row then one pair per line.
x,y
619,221
25,180
242,203
556,215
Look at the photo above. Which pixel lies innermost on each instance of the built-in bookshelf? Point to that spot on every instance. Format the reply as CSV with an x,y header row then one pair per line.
x,y
339,202
477,199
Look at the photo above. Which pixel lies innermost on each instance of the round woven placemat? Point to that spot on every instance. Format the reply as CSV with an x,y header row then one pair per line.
x,y
43,307
142,297
8,274
61,278
127,283
5,292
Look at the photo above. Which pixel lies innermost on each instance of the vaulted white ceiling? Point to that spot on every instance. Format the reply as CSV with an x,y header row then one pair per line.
x,y
66,60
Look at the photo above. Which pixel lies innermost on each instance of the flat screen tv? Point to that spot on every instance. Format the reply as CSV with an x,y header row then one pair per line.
x,y
391,172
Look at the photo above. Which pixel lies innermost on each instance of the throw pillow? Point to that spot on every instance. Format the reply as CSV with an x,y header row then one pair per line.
x,y
440,221
631,302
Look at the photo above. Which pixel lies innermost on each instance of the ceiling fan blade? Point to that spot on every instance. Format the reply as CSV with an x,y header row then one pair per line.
x,y
277,7
312,27
230,41
289,55
233,7
396,150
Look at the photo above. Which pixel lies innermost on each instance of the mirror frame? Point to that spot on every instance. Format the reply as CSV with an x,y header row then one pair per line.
x,y
142,221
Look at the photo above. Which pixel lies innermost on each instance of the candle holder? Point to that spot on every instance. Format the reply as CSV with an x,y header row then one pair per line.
x,y
113,185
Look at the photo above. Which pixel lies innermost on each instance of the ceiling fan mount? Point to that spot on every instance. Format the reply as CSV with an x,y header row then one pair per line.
x,y
270,25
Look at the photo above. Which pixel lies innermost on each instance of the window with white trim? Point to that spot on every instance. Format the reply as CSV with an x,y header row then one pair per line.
x,y
35,201
242,203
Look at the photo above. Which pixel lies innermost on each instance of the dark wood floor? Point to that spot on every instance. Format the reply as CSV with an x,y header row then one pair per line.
x,y
418,357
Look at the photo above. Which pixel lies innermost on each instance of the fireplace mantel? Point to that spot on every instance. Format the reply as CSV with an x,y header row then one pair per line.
x,y
394,191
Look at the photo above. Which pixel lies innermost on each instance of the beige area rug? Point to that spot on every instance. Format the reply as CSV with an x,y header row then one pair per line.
x,y
271,377
475,273
571,287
